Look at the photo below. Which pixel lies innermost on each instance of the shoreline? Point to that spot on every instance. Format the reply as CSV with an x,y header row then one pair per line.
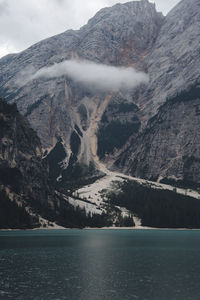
x,y
101,228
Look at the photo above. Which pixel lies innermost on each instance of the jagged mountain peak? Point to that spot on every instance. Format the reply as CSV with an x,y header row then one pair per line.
x,y
173,62
129,34
120,29
185,7
183,15
173,66
139,9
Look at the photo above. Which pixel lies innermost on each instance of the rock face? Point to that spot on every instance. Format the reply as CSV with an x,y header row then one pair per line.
x,y
173,63
119,121
27,196
168,146
23,175
122,34
80,123
168,149
59,107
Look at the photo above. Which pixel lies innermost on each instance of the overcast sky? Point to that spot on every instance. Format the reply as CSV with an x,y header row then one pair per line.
x,y
25,22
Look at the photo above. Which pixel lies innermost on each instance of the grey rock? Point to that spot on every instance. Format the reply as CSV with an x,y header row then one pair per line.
x,y
173,64
119,35
130,34
169,147
166,146
23,175
28,197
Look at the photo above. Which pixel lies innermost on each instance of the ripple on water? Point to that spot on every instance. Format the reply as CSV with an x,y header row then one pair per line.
x,y
153,265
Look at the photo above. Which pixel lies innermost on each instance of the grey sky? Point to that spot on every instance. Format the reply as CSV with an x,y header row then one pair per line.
x,y
25,22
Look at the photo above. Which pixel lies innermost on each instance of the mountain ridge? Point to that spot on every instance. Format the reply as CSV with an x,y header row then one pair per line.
x,y
130,34
53,105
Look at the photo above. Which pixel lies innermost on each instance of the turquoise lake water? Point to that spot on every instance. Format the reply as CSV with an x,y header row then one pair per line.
x,y
100,264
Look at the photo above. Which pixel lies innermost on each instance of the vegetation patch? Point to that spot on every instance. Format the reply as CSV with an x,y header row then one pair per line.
x,y
78,174
54,158
78,130
114,135
14,216
33,106
75,143
118,123
83,116
158,208
11,177
180,183
121,105
192,93
76,217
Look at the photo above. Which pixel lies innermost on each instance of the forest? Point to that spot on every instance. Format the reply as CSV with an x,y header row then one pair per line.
x,y
158,208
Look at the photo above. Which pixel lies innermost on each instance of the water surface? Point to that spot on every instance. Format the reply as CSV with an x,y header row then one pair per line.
x,y
100,264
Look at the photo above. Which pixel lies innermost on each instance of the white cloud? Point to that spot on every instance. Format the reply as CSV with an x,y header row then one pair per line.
x,y
98,76
25,22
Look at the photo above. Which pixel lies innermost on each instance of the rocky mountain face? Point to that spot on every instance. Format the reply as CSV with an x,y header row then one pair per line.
x,y
173,63
61,108
122,34
79,125
118,123
27,196
168,150
168,146
23,175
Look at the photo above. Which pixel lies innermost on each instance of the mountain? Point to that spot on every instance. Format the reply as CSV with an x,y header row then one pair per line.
x,y
24,185
167,148
60,108
150,132
28,198
173,63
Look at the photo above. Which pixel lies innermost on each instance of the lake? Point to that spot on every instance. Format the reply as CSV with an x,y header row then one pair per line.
x,y
100,264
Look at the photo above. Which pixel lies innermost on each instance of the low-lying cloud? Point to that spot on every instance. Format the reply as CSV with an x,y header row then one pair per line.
x,y
93,75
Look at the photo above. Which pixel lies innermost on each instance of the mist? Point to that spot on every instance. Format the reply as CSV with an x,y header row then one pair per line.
x,y
93,75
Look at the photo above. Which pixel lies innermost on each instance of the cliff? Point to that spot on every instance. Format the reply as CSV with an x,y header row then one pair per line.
x,y
78,125
168,150
28,198
59,107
